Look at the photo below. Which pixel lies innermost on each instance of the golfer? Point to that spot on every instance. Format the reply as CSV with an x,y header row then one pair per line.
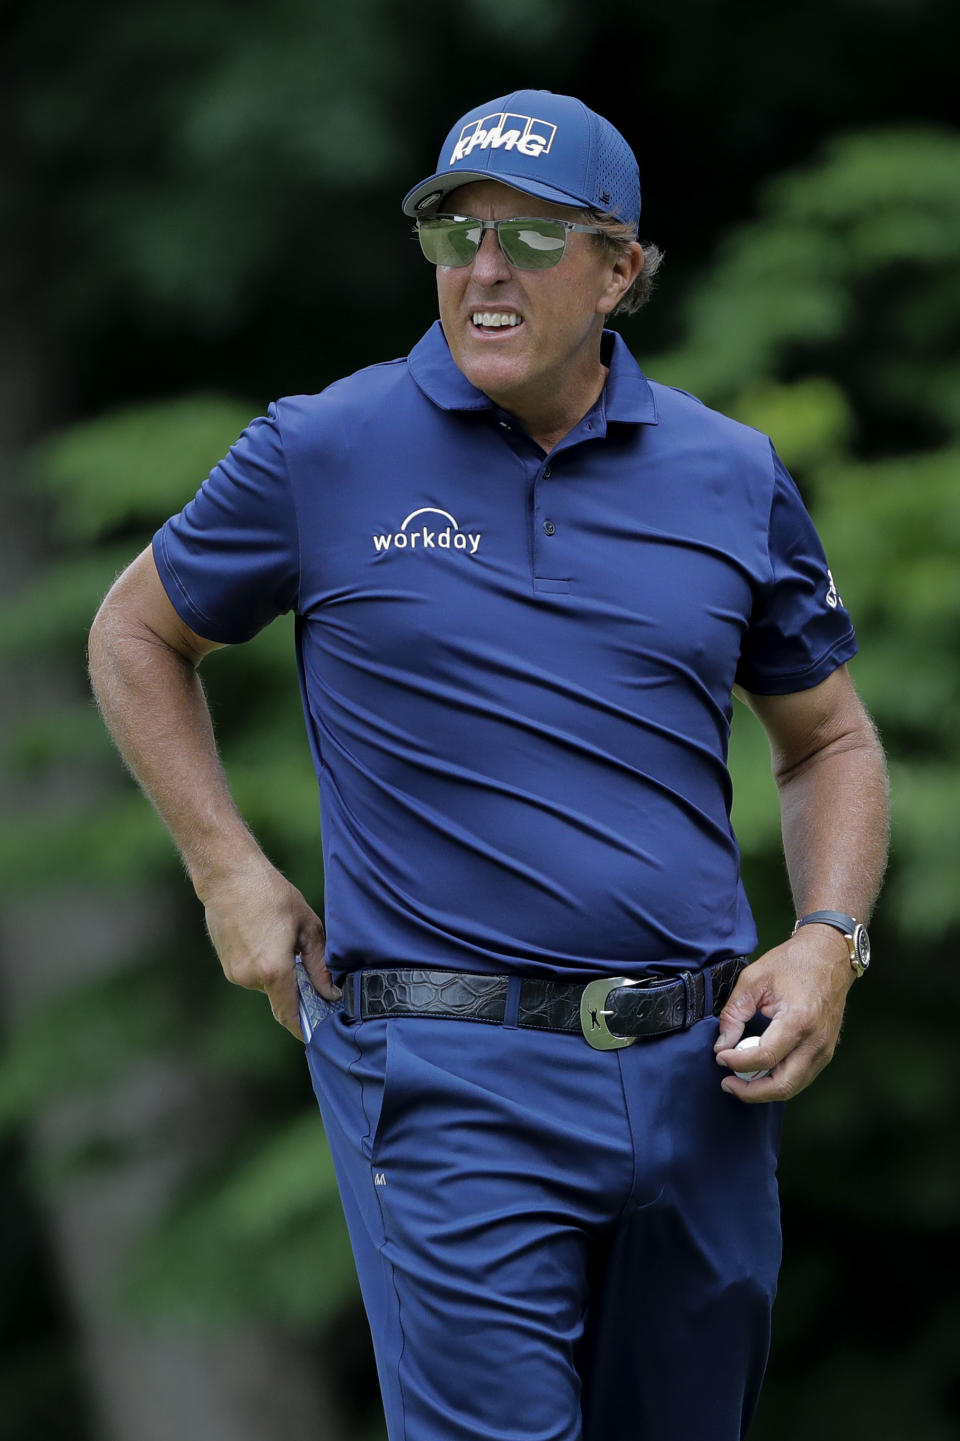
x,y
527,581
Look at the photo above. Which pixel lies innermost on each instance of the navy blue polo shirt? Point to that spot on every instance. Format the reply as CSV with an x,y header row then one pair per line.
x,y
516,668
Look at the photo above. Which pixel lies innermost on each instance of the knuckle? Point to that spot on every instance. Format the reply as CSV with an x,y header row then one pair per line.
x,y
273,972
733,1012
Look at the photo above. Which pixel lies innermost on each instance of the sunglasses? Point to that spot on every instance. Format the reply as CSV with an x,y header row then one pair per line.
x,y
528,244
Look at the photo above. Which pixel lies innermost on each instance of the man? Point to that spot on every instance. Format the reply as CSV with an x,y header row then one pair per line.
x,y
526,581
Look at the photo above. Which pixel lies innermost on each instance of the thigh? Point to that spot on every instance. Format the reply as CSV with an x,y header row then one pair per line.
x,y
681,1299
478,1165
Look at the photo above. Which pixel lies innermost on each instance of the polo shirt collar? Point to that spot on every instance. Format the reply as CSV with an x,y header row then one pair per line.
x,y
627,395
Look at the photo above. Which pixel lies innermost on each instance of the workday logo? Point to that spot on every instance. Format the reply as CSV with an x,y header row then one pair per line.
x,y
504,132
410,536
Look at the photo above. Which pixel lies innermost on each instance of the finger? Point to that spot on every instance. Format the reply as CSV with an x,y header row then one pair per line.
x,y
312,953
788,1079
776,1043
787,1031
284,1001
741,1008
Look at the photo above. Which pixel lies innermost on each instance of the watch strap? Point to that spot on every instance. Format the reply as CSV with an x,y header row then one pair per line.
x,y
838,919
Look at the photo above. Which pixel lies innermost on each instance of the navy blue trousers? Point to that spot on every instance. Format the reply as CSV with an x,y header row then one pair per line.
x,y
553,1243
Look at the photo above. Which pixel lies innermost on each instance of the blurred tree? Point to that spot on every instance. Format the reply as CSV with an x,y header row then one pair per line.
x,y
212,190
833,257
831,322
204,198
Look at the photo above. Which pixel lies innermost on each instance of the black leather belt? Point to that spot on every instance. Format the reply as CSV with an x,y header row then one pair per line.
x,y
610,1012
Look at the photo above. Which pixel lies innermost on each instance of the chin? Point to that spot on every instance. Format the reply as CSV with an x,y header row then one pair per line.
x,y
491,372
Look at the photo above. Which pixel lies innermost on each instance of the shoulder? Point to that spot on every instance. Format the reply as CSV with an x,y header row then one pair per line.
x,y
680,412
306,417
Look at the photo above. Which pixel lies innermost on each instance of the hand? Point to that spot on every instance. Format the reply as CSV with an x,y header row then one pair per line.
x,y
258,923
801,986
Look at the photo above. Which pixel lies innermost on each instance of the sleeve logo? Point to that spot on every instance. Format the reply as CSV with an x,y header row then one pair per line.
x,y
833,595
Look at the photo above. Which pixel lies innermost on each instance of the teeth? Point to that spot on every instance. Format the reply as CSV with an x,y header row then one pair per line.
x,y
495,318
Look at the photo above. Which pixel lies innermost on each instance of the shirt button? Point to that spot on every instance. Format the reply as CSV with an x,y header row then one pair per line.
x,y
546,473
549,528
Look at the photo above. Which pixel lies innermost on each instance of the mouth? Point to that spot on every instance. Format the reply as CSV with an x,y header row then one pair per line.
x,y
499,323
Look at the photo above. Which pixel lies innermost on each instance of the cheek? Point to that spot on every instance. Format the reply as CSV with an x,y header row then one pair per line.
x,y
449,286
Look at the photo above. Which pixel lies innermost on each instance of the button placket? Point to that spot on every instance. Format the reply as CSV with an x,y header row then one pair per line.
x,y
545,558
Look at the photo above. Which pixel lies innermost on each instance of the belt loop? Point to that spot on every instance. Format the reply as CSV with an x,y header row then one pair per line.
x,y
356,981
708,990
689,1005
511,1012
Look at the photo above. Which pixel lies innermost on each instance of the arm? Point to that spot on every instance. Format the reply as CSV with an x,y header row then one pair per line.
x,y
829,769
143,661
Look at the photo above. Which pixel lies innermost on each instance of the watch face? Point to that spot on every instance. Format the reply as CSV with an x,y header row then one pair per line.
x,y
861,944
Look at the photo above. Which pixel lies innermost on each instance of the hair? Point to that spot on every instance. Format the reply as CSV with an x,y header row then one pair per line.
x,y
615,241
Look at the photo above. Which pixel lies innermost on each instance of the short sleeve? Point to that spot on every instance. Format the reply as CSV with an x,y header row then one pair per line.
x,y
229,561
799,629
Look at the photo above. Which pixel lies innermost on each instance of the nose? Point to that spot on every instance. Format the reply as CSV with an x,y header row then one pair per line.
x,y
490,263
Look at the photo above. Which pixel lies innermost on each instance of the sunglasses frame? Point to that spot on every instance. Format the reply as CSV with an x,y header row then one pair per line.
x,y
473,221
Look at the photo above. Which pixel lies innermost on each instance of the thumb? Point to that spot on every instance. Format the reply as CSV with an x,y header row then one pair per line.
x,y
312,947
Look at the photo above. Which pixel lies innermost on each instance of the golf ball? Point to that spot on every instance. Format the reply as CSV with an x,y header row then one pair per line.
x,y
748,1044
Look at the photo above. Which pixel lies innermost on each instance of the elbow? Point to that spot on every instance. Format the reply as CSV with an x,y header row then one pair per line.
x,y
859,743
103,640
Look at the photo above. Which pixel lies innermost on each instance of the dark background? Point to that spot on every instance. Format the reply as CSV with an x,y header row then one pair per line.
x,y
200,212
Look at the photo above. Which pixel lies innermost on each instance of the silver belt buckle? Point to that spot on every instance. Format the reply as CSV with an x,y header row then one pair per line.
x,y
593,1013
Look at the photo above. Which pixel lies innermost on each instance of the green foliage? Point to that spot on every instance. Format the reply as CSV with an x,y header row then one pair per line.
x,y
85,1039
281,1249
244,125
851,261
827,321
811,418
51,615
135,464
846,255
830,322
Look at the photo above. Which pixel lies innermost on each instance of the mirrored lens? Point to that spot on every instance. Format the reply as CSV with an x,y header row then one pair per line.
x,y
450,242
532,244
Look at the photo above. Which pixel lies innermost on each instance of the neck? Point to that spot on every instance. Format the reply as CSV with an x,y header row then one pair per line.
x,y
548,419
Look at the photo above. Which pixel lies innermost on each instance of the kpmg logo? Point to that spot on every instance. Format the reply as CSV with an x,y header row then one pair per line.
x,y
428,535
504,132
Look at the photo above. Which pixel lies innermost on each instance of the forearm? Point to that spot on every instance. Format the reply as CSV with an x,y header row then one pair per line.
x,y
143,661
154,707
834,812
829,768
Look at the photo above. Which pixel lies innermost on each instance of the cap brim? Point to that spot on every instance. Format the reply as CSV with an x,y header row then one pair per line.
x,y
446,181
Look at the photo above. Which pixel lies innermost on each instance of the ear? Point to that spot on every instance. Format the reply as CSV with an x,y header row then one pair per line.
x,y
624,272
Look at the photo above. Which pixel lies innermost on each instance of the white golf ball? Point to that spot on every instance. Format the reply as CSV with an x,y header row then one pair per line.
x,y
748,1044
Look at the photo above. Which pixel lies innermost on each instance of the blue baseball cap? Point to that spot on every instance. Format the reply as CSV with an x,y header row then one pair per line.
x,y
547,145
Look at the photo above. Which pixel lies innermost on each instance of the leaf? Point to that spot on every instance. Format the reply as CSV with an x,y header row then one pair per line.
x,y
84,1038
135,465
266,1239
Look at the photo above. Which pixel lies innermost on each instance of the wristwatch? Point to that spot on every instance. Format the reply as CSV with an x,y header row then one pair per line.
x,y
851,929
